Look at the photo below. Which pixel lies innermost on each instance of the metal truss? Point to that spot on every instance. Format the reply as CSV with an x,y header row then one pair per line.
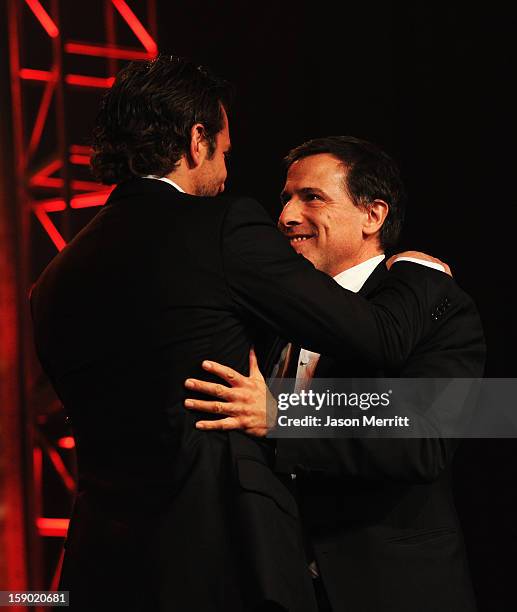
x,y
53,187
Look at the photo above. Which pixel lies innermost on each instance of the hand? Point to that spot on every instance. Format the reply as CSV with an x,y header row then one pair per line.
x,y
418,255
247,402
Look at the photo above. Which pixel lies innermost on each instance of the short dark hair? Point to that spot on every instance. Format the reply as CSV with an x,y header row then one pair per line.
x,y
371,175
145,120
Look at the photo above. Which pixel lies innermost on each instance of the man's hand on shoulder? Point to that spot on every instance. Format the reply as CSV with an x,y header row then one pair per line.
x,y
421,258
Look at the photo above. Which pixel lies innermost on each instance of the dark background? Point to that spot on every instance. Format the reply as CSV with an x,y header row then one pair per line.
x,y
433,84
430,82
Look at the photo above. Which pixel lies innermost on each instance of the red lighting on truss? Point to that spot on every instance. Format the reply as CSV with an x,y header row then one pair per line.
x,y
81,80
43,17
89,81
66,442
55,205
48,226
41,117
60,468
37,464
57,183
121,53
42,208
87,200
87,186
135,24
96,195
80,160
30,74
50,179
76,149
45,172
54,585
56,527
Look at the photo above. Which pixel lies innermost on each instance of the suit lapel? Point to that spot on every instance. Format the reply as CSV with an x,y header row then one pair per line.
x,y
326,365
374,280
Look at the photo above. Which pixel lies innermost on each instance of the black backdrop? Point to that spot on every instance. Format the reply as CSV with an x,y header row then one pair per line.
x,y
432,83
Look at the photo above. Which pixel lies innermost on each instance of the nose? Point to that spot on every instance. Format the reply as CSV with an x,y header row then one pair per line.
x,y
291,215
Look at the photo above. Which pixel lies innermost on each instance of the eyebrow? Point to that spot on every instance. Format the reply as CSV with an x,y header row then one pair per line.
x,y
306,190
303,191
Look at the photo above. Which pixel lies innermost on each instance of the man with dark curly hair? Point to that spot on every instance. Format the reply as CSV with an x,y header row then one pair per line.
x,y
145,128
169,517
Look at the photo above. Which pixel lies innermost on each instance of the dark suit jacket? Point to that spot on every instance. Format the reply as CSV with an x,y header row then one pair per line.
x,y
379,513
168,517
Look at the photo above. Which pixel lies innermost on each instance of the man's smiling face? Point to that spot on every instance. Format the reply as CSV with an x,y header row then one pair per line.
x,y
319,217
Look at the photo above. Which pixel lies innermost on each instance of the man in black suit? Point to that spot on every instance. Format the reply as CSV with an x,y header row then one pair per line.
x,y
381,528
166,275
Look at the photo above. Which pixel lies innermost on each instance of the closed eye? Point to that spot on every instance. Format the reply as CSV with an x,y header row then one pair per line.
x,y
312,196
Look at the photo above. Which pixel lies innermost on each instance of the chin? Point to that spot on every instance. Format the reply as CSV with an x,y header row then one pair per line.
x,y
307,252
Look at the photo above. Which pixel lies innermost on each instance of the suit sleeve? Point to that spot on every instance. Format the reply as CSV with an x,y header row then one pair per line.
x,y
455,348
284,291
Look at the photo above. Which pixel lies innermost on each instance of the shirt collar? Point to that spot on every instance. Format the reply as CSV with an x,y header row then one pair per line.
x,y
355,277
165,180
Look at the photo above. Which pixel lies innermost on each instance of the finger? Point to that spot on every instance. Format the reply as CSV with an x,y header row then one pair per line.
x,y
254,368
229,423
258,432
215,389
213,407
228,374
390,261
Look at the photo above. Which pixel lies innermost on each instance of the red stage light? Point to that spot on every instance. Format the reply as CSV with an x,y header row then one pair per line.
x,y
108,52
134,23
37,75
60,468
56,527
54,205
80,149
87,186
89,81
91,199
58,183
43,17
81,80
44,173
48,226
41,117
80,160
66,442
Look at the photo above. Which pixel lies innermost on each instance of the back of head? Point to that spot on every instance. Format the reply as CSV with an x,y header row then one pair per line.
x,y
145,120
370,174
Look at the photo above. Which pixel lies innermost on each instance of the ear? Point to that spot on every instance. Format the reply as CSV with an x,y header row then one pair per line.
x,y
198,145
376,214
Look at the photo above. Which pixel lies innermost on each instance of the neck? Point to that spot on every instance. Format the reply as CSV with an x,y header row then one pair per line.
x,y
183,176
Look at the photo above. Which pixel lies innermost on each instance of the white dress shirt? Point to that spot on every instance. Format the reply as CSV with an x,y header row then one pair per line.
x,y
352,279
165,180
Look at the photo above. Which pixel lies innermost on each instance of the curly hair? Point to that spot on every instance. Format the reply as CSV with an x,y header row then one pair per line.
x,y
371,175
145,120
